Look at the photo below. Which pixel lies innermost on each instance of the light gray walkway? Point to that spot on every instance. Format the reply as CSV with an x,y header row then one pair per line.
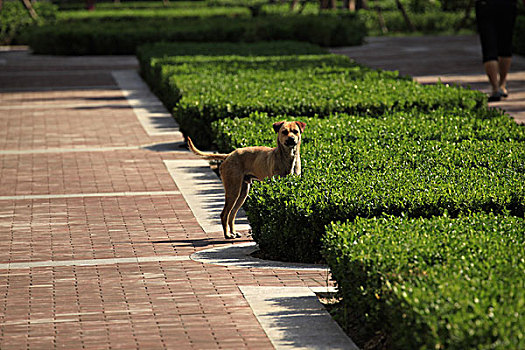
x,y
293,318
91,195
155,119
90,262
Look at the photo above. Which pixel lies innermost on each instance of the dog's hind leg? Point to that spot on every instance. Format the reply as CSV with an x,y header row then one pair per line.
x,y
232,189
245,189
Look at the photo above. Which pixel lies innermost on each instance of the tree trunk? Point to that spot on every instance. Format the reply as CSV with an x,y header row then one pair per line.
x,y
381,19
356,5
303,6
30,9
405,16
328,4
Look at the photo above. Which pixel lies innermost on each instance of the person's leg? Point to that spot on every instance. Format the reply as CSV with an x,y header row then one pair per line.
x,y
505,15
489,44
492,70
504,68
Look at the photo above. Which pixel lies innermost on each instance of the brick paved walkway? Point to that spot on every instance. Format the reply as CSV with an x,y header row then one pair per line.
x,y
95,235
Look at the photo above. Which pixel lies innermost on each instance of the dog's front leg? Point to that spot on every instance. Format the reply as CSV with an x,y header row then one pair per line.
x,y
233,186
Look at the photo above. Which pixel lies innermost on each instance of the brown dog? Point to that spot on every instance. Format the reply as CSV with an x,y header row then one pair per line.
x,y
243,165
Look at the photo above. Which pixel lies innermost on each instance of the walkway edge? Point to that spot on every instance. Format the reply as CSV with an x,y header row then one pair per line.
x,y
293,318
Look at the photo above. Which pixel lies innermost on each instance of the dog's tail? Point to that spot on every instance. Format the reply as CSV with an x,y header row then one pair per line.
x,y
208,156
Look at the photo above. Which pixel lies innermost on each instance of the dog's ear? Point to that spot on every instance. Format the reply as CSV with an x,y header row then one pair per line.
x,y
277,126
301,126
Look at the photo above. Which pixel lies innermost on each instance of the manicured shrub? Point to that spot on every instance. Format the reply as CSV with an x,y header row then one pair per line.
x,y
444,124
203,89
430,22
151,54
122,37
170,70
404,163
437,283
133,14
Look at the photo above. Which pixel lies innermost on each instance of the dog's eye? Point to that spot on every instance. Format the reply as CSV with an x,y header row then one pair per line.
x,y
295,131
285,132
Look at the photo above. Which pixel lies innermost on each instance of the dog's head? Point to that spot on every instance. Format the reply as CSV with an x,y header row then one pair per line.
x,y
289,133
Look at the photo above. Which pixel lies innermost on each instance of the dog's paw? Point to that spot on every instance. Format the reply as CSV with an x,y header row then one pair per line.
x,y
237,234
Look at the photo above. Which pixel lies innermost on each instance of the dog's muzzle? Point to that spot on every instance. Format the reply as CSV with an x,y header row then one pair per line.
x,y
290,142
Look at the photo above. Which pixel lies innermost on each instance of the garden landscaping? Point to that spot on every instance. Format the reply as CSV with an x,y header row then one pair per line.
x,y
119,27
380,152
414,195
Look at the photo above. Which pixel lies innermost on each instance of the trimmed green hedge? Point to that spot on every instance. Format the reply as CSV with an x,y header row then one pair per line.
x,y
122,37
444,124
132,14
404,163
433,156
203,89
431,22
152,56
438,283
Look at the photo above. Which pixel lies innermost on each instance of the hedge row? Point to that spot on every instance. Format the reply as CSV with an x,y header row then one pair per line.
x,y
420,153
122,37
439,283
202,89
410,163
132,14
186,9
430,22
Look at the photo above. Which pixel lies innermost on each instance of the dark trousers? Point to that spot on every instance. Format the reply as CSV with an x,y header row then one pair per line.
x,y
495,19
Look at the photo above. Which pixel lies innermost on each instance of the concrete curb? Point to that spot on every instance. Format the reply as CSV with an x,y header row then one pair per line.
x,y
239,255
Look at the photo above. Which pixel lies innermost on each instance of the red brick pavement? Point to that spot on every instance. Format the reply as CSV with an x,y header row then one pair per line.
x,y
135,170
62,121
